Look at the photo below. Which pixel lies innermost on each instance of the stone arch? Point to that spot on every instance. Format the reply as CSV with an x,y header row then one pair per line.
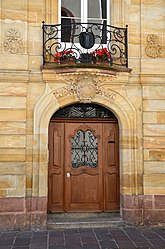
x,y
129,145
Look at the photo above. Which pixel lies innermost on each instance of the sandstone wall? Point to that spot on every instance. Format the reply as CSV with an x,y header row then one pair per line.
x,y
23,167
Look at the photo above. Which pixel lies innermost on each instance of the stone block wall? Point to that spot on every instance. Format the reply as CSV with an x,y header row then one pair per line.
x,y
27,94
154,144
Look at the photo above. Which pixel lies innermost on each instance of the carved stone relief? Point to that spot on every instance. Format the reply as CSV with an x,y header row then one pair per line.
x,y
13,42
99,77
85,87
153,48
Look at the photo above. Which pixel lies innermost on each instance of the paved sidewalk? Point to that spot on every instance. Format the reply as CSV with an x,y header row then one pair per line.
x,y
87,238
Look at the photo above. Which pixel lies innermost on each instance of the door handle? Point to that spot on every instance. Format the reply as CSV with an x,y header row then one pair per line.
x,y
67,174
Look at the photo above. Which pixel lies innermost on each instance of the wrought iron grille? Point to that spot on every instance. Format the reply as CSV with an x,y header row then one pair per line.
x,y
84,43
84,149
84,111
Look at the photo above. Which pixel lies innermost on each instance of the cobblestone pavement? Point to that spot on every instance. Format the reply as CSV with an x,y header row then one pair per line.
x,y
96,238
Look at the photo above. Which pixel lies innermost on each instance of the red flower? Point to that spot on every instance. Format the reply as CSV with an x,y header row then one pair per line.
x,y
63,55
101,54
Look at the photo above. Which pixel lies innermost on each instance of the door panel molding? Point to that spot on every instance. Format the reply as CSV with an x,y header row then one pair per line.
x,y
84,188
82,180
55,167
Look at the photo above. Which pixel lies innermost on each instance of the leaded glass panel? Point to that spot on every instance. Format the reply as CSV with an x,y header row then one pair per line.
x,y
84,149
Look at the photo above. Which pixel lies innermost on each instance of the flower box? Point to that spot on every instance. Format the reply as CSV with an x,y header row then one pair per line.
x,y
65,57
86,58
102,56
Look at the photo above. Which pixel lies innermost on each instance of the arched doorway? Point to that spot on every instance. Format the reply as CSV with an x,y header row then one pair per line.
x,y
83,170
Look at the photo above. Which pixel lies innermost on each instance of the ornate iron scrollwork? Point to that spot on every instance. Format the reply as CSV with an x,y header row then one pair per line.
x,y
85,35
84,111
84,149
87,39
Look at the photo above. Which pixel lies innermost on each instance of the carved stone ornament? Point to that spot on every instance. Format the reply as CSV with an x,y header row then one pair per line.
x,y
153,48
86,89
99,77
68,90
13,42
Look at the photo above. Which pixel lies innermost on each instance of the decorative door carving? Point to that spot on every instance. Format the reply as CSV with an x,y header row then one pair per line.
x,y
83,166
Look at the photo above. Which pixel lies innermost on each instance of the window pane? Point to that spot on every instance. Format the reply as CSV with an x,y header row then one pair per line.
x,y
97,9
72,7
94,9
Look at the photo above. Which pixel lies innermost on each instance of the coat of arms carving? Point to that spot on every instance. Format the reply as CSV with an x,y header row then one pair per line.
x,y
86,89
153,48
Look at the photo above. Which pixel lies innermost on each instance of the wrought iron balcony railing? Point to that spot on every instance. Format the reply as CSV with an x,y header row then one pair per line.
x,y
85,43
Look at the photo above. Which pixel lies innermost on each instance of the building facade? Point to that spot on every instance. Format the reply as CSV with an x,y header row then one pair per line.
x,y
31,93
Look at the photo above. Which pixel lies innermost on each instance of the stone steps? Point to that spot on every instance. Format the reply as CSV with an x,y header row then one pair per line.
x,y
83,220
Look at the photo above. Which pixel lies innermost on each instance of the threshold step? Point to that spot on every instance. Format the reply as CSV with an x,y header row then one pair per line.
x,y
83,220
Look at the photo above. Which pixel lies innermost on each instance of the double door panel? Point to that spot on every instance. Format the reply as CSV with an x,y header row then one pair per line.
x,y
83,167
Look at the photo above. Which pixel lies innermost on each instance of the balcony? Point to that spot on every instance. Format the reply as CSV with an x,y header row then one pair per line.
x,y
85,45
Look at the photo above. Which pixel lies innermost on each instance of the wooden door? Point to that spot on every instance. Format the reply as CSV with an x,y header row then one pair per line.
x,y
55,167
111,167
83,166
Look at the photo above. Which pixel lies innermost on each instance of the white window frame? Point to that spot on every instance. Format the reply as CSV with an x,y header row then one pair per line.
x,y
84,11
84,18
